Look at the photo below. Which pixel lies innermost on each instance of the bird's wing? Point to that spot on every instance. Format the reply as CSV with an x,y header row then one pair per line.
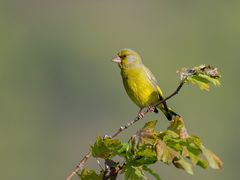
x,y
153,81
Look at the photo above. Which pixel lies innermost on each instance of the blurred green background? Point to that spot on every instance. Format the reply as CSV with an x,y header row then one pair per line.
x,y
59,89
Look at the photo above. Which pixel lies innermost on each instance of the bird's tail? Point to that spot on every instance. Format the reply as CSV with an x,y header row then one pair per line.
x,y
168,112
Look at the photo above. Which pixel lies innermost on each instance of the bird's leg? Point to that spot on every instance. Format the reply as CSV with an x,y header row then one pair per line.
x,y
152,108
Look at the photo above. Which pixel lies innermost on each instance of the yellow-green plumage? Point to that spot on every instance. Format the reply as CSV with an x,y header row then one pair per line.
x,y
139,82
139,87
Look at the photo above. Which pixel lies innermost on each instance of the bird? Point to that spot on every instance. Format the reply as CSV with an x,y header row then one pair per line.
x,y
140,83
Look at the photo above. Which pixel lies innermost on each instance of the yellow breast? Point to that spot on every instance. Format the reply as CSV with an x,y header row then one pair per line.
x,y
139,88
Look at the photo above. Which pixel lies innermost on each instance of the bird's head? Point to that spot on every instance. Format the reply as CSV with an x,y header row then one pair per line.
x,y
127,58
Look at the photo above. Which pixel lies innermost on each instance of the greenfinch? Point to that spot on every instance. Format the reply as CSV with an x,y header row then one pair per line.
x,y
140,84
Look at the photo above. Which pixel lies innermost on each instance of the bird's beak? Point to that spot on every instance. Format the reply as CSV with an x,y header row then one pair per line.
x,y
116,59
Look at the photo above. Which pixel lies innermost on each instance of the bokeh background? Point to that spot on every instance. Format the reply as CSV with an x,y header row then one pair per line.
x,y
59,90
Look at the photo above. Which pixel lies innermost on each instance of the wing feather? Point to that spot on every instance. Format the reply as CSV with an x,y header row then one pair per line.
x,y
153,81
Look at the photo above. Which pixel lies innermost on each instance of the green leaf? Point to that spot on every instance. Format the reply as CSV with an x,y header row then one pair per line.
x,y
192,150
196,160
124,149
201,75
172,142
200,81
183,164
144,155
90,175
209,79
165,153
150,125
160,149
146,135
104,148
194,140
213,160
168,134
176,125
150,171
202,163
132,173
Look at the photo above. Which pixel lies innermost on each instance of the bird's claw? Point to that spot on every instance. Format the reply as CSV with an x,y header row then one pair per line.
x,y
152,109
141,115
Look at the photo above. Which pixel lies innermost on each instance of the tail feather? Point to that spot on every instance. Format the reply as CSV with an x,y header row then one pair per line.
x,y
168,112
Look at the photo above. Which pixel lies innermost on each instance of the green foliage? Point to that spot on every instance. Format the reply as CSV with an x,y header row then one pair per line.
x,y
134,172
201,75
183,164
91,174
105,148
214,161
149,146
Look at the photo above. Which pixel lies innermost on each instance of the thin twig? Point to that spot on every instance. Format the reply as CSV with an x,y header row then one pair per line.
x,y
79,166
122,128
173,94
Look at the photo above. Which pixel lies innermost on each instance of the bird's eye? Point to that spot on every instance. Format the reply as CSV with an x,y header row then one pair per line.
x,y
124,56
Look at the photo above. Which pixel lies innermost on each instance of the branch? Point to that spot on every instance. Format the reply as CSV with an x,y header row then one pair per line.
x,y
79,166
173,94
122,128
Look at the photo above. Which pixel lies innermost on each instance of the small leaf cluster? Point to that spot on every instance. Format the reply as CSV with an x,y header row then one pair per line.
x,y
149,146
201,75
